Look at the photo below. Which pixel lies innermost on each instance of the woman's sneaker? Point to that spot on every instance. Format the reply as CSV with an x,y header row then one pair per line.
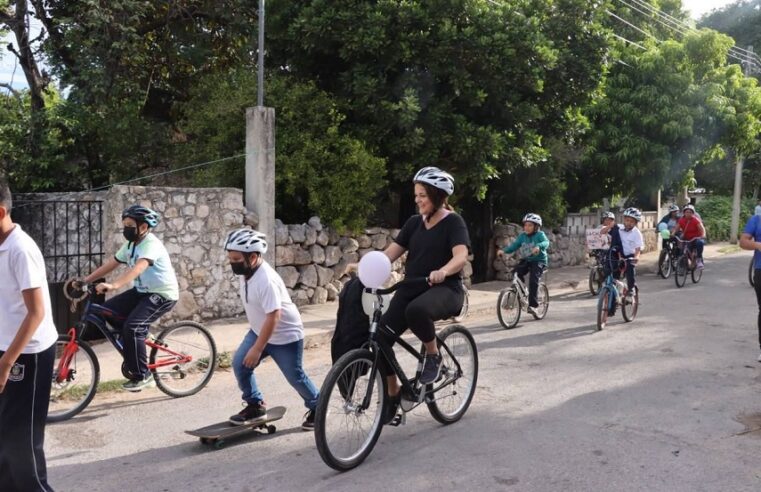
x,y
431,369
308,423
140,384
251,413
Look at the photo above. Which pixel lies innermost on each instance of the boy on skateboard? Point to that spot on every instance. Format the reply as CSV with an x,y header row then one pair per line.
x,y
275,330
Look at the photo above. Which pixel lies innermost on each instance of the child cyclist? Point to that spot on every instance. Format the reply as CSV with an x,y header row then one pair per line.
x,y
155,290
626,241
275,330
533,243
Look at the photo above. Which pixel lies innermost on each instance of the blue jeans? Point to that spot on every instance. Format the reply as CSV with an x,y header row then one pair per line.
x,y
288,358
697,245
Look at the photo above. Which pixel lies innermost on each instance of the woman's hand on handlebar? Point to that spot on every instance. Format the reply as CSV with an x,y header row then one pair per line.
x,y
437,276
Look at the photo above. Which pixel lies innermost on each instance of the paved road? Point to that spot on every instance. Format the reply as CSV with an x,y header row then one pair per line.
x,y
668,402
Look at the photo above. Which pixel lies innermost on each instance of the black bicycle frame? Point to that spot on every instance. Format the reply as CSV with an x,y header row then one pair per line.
x,y
91,315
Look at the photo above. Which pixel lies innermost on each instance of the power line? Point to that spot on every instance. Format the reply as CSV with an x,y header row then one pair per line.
x,y
629,41
631,25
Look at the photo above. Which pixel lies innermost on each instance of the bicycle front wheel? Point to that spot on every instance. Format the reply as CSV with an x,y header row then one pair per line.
x,y
76,373
696,274
183,360
603,306
543,299
508,308
345,432
680,272
451,402
664,264
630,305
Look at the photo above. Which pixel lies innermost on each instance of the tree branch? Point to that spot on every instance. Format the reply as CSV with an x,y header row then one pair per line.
x,y
10,88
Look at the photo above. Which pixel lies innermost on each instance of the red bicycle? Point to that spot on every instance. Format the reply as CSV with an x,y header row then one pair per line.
x,y
182,357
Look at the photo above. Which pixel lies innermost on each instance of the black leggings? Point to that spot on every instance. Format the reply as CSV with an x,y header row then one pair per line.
x,y
417,308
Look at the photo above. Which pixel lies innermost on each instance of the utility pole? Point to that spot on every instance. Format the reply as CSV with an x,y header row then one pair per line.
x,y
738,177
260,155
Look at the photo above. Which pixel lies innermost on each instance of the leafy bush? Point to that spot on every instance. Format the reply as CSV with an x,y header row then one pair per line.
x,y
716,212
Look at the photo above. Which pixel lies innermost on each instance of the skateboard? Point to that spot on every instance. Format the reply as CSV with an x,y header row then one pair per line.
x,y
215,434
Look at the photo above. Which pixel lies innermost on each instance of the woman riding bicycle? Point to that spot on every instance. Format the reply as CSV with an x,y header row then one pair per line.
x,y
535,259
670,220
692,229
155,292
437,244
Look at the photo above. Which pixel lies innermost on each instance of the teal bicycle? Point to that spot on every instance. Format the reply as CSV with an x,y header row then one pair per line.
x,y
613,294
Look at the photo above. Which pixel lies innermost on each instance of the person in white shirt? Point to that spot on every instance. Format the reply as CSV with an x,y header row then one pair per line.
x,y
626,240
275,330
27,352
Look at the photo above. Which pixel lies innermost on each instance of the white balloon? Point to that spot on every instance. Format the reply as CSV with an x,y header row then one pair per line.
x,y
374,269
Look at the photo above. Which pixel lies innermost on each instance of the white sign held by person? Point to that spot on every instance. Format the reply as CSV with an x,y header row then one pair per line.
x,y
597,240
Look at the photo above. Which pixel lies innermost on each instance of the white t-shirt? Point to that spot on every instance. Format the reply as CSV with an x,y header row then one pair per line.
x,y
631,240
267,293
22,267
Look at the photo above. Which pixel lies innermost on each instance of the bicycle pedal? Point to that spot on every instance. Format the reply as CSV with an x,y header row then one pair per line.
x,y
399,419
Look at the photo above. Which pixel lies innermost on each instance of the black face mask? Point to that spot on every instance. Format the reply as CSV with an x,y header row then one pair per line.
x,y
130,234
240,268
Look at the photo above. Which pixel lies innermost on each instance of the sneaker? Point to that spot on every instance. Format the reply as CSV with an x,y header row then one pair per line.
x,y
700,264
140,384
308,423
391,408
251,412
532,311
431,369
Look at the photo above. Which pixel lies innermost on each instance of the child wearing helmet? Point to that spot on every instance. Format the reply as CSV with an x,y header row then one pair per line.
x,y
626,241
533,244
691,228
275,328
155,290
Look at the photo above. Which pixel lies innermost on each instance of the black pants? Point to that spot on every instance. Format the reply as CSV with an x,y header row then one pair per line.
x,y
417,307
140,310
757,287
631,271
536,270
23,411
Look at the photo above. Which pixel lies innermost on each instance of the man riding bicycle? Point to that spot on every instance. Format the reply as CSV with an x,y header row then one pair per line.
x,y
692,229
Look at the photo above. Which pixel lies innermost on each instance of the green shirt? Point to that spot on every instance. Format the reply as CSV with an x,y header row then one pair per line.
x,y
527,243
159,277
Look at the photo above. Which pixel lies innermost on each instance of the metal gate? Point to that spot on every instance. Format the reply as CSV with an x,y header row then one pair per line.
x,y
70,235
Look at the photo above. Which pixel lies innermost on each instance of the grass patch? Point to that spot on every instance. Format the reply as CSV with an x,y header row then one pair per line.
x,y
732,248
78,391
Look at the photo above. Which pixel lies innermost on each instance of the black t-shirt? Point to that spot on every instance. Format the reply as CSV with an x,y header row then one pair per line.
x,y
431,249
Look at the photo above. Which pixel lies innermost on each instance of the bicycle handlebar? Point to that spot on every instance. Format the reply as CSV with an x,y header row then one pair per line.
x,y
393,288
686,241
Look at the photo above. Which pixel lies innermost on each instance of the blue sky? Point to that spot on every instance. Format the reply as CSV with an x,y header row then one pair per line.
x,y
7,60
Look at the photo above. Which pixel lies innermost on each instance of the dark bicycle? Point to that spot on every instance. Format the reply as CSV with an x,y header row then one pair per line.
x,y
614,293
349,414
181,357
596,271
687,262
668,257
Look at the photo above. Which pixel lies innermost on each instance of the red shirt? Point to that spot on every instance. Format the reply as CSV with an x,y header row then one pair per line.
x,y
690,228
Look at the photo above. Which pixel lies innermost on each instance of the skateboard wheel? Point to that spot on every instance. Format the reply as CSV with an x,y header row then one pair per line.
x,y
271,429
219,444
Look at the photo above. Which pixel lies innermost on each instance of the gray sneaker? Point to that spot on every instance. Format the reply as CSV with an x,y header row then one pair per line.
x,y
431,369
140,384
532,311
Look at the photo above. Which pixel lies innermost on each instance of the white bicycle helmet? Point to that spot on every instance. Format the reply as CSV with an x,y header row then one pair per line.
x,y
608,215
246,241
529,217
634,213
673,208
689,206
436,178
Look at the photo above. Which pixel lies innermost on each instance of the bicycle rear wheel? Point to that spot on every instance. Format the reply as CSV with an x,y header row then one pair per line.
x,y
595,280
603,306
543,299
72,392
345,433
696,274
184,360
508,308
680,272
451,402
664,264
630,305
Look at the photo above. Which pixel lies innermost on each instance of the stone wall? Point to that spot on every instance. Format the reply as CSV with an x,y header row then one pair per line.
x,y
312,259
565,250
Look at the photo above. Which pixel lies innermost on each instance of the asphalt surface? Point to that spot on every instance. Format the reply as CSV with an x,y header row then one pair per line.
x,y
668,402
